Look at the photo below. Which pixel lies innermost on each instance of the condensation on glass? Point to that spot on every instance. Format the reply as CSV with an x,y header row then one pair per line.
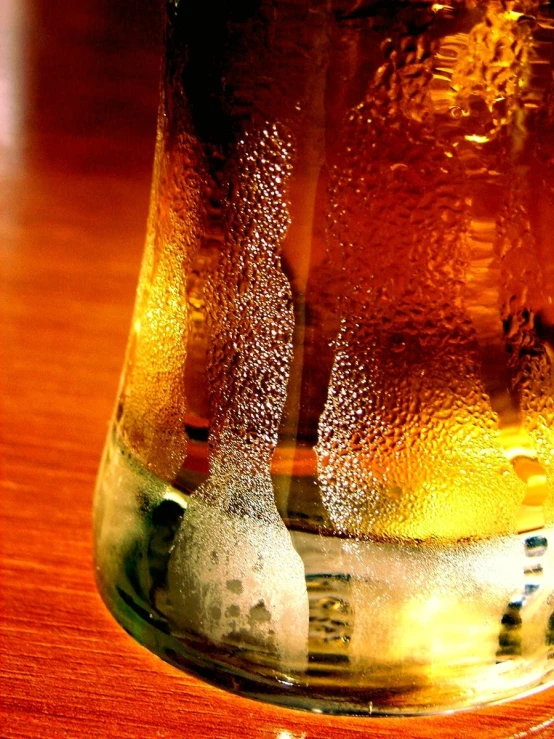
x,y
329,480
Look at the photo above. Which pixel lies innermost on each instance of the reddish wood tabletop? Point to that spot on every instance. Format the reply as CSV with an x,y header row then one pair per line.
x,y
78,95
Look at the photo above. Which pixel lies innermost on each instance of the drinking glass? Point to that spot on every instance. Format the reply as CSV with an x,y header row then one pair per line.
x,y
329,477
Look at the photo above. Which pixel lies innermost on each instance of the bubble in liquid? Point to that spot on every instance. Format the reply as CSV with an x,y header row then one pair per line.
x,y
250,302
232,530
408,442
152,397
493,72
238,581
524,294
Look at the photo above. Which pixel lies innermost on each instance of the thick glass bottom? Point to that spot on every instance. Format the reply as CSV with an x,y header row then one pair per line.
x,y
316,622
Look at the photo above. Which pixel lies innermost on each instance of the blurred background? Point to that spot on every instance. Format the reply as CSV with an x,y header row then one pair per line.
x,y
78,98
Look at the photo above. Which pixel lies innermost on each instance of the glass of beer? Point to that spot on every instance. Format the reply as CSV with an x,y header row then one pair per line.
x,y
329,480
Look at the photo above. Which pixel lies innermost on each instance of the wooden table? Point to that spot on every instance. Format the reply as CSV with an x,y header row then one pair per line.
x,y
78,94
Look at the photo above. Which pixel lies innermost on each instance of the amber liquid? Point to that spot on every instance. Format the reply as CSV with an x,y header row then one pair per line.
x,y
344,331
352,271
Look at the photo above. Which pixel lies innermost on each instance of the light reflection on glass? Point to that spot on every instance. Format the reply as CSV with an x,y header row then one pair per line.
x,y
284,734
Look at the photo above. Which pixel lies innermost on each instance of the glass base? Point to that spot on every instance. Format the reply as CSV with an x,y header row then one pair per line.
x,y
320,623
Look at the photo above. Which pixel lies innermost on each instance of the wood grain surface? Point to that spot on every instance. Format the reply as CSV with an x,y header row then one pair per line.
x,y
78,94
